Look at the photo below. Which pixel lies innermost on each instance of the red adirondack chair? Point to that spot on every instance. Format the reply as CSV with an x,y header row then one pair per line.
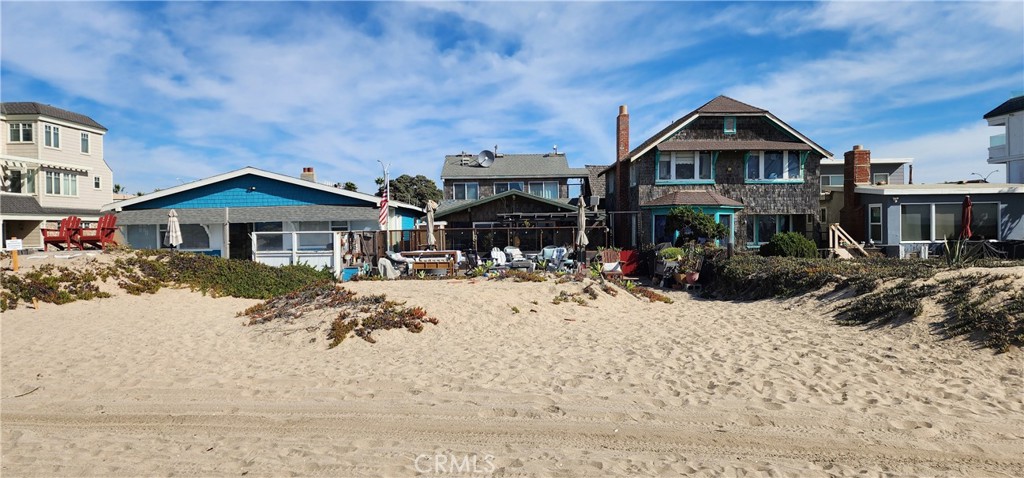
x,y
99,236
63,237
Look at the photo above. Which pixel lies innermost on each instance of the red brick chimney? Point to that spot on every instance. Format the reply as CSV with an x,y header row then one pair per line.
x,y
856,171
622,175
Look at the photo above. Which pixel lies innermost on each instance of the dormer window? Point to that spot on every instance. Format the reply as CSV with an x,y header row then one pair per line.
x,y
730,125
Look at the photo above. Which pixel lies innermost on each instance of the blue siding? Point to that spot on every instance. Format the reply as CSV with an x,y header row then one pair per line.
x,y
408,222
235,193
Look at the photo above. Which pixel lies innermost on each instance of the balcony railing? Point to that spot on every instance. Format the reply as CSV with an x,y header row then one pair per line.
x,y
997,140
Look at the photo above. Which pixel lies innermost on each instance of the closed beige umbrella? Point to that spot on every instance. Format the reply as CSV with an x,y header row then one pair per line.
x,y
431,240
581,223
173,236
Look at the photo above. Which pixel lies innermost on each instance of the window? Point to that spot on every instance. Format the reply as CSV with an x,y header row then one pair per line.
x,y
315,242
268,242
634,175
546,189
85,143
96,182
916,222
503,187
880,178
14,181
823,215
831,179
142,236
730,125
686,166
774,165
935,222
761,227
193,236
610,183
51,136
61,184
21,133
466,191
875,222
343,226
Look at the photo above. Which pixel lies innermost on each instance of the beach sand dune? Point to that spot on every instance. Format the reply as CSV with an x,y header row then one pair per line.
x,y
174,384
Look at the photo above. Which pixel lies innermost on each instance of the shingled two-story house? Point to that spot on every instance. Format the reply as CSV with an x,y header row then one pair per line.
x,y
738,162
510,189
53,167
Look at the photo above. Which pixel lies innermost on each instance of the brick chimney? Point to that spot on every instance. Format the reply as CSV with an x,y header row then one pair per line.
x,y
856,171
308,174
622,175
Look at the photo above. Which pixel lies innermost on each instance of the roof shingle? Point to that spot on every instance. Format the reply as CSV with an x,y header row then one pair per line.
x,y
1011,105
732,145
33,108
692,198
512,166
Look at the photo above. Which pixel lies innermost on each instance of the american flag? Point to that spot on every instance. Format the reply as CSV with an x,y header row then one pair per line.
x,y
383,218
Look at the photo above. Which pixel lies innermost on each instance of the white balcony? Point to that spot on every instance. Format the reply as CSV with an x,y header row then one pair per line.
x,y
997,146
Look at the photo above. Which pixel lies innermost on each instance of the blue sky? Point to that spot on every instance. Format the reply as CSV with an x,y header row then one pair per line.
x,y
193,89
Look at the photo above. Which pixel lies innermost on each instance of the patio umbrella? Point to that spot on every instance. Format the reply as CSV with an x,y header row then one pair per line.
x,y
581,223
966,215
173,236
431,240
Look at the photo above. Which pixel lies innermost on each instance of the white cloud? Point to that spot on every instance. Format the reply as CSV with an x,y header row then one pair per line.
x,y
950,155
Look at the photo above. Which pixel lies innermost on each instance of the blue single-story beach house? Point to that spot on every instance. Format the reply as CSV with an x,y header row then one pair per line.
x,y
219,214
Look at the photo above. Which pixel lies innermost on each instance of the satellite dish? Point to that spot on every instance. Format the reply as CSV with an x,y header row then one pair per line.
x,y
485,159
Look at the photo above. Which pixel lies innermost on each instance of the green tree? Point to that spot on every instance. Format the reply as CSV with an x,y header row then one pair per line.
x,y
415,190
693,224
350,186
118,189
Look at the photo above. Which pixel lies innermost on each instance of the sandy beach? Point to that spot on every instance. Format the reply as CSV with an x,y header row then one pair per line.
x,y
174,384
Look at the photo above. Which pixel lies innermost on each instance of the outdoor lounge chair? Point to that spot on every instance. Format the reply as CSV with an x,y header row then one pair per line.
x,y
498,259
99,236
516,259
610,265
387,270
63,238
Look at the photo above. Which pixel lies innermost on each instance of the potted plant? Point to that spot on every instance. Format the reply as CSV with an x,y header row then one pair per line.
x,y
693,259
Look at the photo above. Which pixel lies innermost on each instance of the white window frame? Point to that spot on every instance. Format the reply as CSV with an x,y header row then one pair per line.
x,y
884,176
881,235
21,127
677,157
759,155
64,183
508,186
465,190
543,187
85,143
51,136
97,183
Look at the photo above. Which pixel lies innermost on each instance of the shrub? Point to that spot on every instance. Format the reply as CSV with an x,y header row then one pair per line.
x,y
670,253
790,244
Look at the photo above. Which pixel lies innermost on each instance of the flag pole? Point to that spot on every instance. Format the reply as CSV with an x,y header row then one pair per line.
x,y
387,205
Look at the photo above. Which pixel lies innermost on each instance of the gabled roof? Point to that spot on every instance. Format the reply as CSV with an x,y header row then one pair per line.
x,y
720,106
1011,105
374,200
727,145
33,108
692,198
511,166
449,207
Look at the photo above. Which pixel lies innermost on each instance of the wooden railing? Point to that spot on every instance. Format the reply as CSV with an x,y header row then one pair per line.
x,y
839,240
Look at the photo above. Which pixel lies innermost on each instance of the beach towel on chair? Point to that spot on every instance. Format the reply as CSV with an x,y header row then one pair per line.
x,y
387,270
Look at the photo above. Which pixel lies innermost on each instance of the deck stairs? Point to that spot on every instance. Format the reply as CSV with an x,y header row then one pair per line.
x,y
842,245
